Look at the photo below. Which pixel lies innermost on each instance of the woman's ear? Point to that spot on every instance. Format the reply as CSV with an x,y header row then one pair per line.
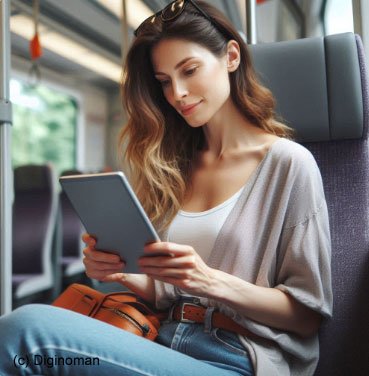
x,y
233,56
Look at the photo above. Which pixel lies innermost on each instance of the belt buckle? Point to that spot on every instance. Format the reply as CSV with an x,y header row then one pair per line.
x,y
183,305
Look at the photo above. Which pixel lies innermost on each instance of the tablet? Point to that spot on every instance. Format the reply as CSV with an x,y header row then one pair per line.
x,y
111,212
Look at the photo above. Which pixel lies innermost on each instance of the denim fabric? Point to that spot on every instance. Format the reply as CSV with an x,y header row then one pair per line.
x,y
36,337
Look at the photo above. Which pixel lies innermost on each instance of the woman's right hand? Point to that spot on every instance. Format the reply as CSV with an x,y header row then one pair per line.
x,y
103,266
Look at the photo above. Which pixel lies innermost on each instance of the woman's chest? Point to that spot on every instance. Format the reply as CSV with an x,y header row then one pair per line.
x,y
211,186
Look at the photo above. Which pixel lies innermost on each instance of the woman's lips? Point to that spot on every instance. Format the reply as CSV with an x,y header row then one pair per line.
x,y
188,110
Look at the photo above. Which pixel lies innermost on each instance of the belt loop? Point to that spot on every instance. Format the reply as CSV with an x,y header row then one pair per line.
x,y
208,319
171,311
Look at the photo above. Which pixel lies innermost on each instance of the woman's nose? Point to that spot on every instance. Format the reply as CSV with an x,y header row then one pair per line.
x,y
179,90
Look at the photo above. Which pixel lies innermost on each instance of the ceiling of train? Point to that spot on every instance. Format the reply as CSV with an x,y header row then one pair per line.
x,y
94,30
92,25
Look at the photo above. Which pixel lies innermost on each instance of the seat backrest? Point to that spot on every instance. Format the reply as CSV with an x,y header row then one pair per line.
x,y
34,212
71,224
321,89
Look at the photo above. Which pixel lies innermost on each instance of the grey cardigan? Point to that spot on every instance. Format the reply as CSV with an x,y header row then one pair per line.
x,y
277,235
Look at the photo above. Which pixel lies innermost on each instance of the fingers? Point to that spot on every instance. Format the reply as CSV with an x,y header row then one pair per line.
x,y
103,277
115,277
102,270
103,266
101,256
100,265
181,265
172,249
177,267
88,239
176,273
96,255
187,261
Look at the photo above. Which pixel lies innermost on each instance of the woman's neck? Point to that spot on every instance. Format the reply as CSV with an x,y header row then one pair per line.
x,y
228,132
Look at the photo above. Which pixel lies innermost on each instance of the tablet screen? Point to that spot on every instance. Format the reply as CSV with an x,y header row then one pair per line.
x,y
111,212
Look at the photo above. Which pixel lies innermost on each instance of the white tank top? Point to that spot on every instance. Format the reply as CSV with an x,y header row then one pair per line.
x,y
200,229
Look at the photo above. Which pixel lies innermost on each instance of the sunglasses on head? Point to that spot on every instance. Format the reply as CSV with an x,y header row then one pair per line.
x,y
170,13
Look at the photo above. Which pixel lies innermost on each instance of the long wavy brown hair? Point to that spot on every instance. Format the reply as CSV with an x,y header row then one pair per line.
x,y
158,146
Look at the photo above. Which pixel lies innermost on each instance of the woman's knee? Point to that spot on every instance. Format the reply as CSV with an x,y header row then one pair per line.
x,y
26,311
25,316
20,321
31,311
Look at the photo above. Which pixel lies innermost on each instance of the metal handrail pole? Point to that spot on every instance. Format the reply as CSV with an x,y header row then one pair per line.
x,y
251,21
124,27
6,181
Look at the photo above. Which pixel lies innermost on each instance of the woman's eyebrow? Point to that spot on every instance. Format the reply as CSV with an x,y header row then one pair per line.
x,y
179,64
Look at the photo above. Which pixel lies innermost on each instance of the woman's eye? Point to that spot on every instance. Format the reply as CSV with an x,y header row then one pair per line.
x,y
191,71
164,83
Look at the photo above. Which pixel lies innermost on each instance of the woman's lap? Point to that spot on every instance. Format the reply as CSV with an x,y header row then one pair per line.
x,y
44,336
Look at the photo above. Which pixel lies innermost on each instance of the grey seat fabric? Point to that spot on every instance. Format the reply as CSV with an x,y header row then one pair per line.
x,y
316,82
34,214
321,88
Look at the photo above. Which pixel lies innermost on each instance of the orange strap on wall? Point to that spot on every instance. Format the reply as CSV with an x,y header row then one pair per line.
x,y
35,45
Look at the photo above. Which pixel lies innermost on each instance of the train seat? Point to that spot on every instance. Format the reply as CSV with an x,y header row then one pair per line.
x,y
34,215
321,89
72,230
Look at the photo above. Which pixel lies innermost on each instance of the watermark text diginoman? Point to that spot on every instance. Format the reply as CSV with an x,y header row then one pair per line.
x,y
54,361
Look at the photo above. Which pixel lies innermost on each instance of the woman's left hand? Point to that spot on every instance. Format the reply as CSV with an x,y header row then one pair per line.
x,y
179,265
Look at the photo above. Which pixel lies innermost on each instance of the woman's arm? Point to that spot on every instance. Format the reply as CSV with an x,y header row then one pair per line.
x,y
269,306
185,269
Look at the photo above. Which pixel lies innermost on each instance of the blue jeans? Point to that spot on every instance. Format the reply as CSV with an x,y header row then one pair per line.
x,y
38,339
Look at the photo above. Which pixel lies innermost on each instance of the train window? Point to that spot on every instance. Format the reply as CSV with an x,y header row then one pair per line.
x,y
338,17
290,23
285,21
44,126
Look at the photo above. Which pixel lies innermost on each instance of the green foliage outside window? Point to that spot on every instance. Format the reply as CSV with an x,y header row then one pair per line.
x,y
44,126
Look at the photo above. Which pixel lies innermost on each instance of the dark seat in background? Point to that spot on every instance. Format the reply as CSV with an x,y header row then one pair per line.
x,y
321,88
34,218
72,245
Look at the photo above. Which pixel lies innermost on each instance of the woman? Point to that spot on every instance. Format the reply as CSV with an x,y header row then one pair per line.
x,y
240,209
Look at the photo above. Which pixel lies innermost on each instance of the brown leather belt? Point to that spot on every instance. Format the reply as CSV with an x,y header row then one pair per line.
x,y
194,313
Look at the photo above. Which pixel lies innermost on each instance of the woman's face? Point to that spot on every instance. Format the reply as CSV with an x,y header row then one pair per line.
x,y
194,81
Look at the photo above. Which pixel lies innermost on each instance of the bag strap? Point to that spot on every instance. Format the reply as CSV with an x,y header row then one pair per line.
x,y
79,298
137,302
125,297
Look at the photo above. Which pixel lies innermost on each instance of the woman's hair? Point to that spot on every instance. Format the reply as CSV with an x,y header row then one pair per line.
x,y
159,145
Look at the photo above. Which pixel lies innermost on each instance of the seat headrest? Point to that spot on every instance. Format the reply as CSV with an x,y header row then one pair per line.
x,y
70,172
320,85
32,178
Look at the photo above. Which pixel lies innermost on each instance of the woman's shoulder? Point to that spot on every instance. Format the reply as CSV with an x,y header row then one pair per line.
x,y
294,164
293,154
295,170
